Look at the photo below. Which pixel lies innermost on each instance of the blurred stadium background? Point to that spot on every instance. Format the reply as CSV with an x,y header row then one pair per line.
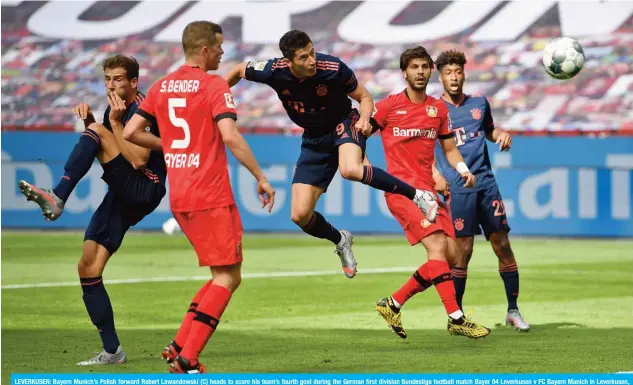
x,y
568,175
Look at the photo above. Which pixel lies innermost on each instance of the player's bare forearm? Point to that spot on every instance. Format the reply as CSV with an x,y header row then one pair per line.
x,y
134,154
236,74
500,137
134,132
452,153
236,143
494,134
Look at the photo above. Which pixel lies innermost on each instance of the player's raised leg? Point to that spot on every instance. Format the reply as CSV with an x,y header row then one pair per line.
x,y
352,167
304,200
95,141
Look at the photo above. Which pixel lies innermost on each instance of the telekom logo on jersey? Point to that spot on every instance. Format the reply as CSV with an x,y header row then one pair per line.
x,y
428,133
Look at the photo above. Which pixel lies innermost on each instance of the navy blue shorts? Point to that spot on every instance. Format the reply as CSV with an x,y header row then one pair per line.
x,y
318,161
131,196
477,210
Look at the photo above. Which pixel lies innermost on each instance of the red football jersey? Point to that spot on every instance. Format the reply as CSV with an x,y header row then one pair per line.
x,y
409,131
187,104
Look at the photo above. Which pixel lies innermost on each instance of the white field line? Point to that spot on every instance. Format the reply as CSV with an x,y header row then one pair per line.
x,y
280,274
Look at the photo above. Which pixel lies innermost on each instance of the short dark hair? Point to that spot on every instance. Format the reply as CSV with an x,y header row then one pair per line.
x,y
292,41
418,52
121,61
197,34
451,56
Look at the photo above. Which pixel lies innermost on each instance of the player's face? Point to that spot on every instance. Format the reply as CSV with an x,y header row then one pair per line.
x,y
214,52
417,74
304,62
452,78
116,80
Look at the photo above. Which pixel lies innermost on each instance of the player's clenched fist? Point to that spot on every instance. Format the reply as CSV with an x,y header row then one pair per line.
x,y
117,106
363,127
469,179
266,194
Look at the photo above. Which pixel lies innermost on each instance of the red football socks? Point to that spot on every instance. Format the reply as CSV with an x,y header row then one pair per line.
x,y
205,322
185,326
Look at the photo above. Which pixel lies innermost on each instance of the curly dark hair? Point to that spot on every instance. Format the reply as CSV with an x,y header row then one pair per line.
x,y
450,56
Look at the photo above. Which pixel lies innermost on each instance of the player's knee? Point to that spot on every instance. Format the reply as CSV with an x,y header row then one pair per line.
x,y
437,248
300,217
231,281
501,246
353,172
100,129
90,266
468,253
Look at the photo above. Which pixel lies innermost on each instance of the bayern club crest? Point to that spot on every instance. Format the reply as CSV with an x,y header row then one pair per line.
x,y
431,111
476,113
321,90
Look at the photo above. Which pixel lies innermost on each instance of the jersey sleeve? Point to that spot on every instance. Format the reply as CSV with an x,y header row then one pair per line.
x,y
379,117
350,83
488,122
260,71
221,100
446,124
147,108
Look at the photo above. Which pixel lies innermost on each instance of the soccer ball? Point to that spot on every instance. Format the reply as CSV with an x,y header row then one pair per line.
x,y
563,58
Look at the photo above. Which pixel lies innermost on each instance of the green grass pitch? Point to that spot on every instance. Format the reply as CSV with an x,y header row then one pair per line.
x,y
577,294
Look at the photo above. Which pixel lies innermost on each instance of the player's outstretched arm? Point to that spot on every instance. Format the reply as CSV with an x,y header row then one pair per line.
x,y
500,137
456,161
236,74
135,132
242,152
365,108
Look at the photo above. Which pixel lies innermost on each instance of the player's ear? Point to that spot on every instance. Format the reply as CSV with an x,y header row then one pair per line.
x,y
134,82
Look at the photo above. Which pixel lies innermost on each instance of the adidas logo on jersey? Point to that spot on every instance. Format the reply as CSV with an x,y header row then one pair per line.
x,y
410,132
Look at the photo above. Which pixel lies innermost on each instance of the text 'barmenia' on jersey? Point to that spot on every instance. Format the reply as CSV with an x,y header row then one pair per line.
x,y
179,86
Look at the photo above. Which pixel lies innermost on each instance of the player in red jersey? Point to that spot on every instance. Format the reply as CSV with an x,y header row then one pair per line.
x,y
197,114
410,122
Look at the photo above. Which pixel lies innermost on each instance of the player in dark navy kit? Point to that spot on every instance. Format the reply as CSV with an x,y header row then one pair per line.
x,y
481,206
315,90
136,186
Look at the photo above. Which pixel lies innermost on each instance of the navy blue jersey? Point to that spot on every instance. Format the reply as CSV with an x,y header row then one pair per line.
x,y
472,121
318,103
156,161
